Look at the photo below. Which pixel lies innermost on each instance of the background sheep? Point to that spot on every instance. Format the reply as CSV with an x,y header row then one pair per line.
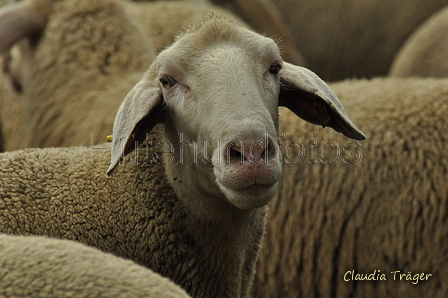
x,y
198,223
264,17
91,54
34,266
380,206
345,38
425,54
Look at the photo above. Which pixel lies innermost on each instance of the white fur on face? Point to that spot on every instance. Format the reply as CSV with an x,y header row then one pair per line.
x,y
225,97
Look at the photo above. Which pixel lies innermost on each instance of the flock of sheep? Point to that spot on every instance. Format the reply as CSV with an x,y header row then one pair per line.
x,y
212,185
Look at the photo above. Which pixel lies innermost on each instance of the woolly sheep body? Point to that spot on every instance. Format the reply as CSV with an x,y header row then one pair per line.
x,y
386,210
35,266
426,51
347,39
134,214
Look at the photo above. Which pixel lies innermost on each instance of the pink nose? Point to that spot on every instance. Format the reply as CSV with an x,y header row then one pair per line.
x,y
252,153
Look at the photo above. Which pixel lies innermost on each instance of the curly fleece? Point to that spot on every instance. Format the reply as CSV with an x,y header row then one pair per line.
x,y
35,266
135,214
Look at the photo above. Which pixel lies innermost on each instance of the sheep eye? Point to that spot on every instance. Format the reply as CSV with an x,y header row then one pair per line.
x,y
167,82
274,68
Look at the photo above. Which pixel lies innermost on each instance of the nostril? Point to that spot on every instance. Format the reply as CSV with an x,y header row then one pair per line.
x,y
233,153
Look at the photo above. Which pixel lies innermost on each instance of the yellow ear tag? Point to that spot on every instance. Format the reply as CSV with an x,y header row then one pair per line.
x,y
109,138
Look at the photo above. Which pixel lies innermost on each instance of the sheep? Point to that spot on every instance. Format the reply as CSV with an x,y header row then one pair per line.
x,y
36,266
100,54
347,39
370,208
112,44
426,50
189,201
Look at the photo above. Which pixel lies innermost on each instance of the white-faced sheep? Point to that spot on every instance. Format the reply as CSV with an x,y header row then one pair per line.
x,y
106,45
348,210
425,54
345,39
36,266
189,204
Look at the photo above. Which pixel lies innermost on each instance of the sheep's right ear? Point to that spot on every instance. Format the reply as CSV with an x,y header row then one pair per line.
x,y
140,111
21,19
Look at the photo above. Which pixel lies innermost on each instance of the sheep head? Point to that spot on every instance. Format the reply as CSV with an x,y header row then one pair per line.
x,y
23,18
218,87
17,20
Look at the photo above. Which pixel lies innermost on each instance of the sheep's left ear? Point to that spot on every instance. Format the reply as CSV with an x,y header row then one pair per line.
x,y
140,111
310,98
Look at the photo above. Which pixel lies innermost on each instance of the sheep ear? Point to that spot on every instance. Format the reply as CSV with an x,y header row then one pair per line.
x,y
310,98
20,19
140,111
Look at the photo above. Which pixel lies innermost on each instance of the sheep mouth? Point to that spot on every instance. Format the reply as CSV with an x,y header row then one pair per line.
x,y
250,197
254,189
251,189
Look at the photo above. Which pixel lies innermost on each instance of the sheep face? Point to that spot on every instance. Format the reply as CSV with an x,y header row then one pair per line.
x,y
217,90
224,98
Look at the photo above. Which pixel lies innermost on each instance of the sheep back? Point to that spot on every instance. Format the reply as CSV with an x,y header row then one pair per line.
x,y
426,51
346,39
35,266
